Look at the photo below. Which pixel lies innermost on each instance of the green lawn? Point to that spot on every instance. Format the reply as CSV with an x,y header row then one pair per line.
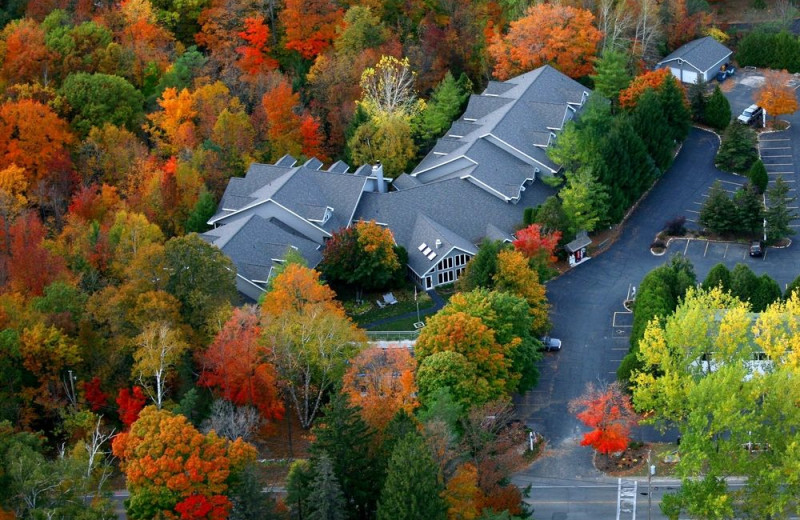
x,y
405,304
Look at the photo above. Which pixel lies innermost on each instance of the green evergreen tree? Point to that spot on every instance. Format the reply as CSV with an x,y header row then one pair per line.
x,y
412,489
718,276
749,210
551,216
346,439
718,110
697,101
584,201
446,103
611,74
738,152
482,267
758,176
744,283
718,212
778,214
204,209
326,501
767,293
624,167
298,488
649,121
673,101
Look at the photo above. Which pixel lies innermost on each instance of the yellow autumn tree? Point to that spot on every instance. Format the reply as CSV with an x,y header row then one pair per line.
x,y
515,276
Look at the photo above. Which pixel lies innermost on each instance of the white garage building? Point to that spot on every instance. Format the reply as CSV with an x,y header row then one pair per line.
x,y
698,60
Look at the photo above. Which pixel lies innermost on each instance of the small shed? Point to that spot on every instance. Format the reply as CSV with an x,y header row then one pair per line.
x,y
577,249
698,60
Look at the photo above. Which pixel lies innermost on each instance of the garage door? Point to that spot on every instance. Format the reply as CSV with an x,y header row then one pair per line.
x,y
686,76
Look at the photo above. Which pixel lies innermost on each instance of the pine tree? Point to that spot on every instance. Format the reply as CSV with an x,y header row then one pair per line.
x,y
718,276
779,216
758,176
737,153
412,489
624,167
444,106
744,282
749,210
718,110
697,101
611,74
768,292
204,209
326,501
346,439
673,100
649,122
718,212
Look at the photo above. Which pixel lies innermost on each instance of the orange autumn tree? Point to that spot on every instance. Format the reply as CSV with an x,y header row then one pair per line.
x,y
559,35
651,79
462,494
776,96
33,137
310,25
141,34
173,127
287,129
173,471
255,59
24,56
608,410
234,366
381,382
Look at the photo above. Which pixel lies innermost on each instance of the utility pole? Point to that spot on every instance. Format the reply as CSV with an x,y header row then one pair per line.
x,y
651,470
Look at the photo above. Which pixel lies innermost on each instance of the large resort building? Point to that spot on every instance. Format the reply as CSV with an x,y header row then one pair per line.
x,y
475,183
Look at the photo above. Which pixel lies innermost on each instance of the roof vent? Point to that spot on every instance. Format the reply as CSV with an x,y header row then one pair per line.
x,y
438,243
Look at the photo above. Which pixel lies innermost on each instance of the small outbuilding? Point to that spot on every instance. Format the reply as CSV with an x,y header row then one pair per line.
x,y
577,249
698,60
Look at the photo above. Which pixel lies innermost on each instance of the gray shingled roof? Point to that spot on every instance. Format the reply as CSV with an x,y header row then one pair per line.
x,y
253,243
703,53
307,192
531,107
405,181
427,231
458,206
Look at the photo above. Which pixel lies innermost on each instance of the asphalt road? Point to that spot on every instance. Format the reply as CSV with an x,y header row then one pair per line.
x,y
589,317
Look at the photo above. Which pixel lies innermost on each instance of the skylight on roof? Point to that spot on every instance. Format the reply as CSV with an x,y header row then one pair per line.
x,y
432,255
427,251
422,246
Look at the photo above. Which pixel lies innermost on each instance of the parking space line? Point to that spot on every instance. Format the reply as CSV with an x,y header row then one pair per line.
x,y
706,251
775,156
772,140
687,247
731,182
779,173
776,148
725,254
778,164
765,254
692,221
693,211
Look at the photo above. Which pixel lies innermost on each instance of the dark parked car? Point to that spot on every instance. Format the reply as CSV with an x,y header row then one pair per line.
x,y
756,249
549,344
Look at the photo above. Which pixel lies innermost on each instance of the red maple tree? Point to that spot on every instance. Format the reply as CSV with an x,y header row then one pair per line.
x,y
532,243
255,57
130,404
96,398
608,410
234,366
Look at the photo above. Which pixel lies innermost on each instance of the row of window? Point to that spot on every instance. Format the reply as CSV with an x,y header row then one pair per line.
x,y
447,263
449,276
